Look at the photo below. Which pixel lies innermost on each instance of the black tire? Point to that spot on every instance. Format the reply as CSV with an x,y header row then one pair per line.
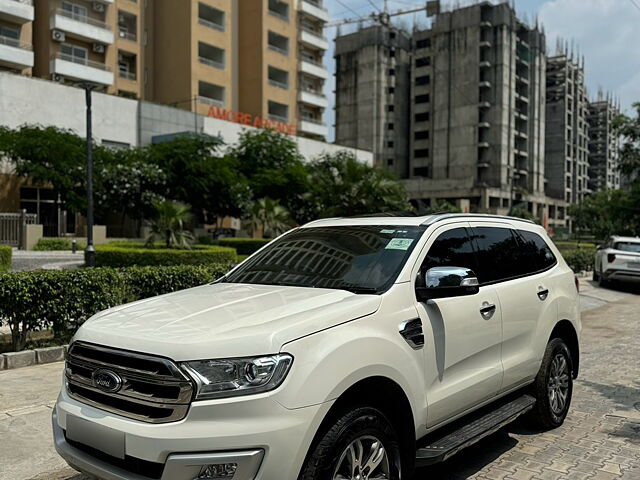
x,y
546,414
595,275
602,282
364,423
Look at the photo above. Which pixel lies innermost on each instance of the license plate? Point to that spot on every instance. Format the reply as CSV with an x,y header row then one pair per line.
x,y
634,265
97,436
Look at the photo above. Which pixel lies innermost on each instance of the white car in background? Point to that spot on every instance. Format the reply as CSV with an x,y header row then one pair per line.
x,y
618,259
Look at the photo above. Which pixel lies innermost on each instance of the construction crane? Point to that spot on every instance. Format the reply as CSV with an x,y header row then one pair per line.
x,y
383,17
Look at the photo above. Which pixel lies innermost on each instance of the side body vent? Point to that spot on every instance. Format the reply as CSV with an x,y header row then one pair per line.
x,y
411,331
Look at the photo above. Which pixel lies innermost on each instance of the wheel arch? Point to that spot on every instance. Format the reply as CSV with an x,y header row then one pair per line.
x,y
565,330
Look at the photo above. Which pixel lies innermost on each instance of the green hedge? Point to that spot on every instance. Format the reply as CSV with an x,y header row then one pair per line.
x,y
126,256
63,300
580,260
53,244
244,246
5,258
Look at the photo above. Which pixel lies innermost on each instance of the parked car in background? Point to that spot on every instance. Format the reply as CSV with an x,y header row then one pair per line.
x,y
617,259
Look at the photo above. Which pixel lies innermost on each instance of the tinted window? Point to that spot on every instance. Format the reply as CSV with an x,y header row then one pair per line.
x,y
498,254
535,253
627,246
453,248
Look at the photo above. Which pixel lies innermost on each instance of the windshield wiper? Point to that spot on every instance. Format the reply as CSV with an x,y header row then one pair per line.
x,y
362,289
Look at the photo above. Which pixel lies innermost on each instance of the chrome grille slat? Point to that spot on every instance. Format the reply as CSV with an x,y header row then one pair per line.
x,y
145,394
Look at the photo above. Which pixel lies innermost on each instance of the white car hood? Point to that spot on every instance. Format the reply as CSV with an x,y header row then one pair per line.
x,y
224,320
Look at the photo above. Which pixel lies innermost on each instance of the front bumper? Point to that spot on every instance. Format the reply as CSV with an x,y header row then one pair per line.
x,y
265,440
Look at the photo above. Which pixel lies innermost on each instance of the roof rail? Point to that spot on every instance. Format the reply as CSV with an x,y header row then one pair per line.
x,y
438,218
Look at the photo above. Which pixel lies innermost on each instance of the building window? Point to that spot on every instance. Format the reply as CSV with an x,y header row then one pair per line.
x,y
9,32
391,90
279,9
278,43
72,53
210,55
127,65
389,144
423,80
127,26
389,126
392,72
280,78
421,171
113,145
422,98
423,135
392,52
278,112
422,117
211,17
423,62
75,11
421,153
389,161
424,43
211,94
390,108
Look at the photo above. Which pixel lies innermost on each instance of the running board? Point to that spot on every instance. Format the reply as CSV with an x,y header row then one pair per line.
x,y
471,429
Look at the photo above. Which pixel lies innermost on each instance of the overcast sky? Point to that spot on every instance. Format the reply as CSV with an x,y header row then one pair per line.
x,y
607,32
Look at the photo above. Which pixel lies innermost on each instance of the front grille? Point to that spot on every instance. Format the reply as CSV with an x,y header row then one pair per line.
x,y
153,389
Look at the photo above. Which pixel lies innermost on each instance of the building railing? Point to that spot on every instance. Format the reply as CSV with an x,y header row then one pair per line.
x,y
316,33
312,91
127,35
210,101
312,61
316,121
127,75
283,51
278,118
82,18
12,228
315,3
26,2
81,61
12,42
279,15
210,24
278,84
211,63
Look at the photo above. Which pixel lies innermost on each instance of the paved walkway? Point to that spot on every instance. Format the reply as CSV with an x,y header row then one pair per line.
x,y
600,439
29,260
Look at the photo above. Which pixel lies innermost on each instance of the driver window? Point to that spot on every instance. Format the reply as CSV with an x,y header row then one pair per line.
x,y
452,248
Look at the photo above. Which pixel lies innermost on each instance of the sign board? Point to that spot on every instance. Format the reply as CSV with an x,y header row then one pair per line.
x,y
250,120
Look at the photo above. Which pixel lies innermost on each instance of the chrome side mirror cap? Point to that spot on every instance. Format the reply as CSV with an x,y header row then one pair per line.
x,y
442,282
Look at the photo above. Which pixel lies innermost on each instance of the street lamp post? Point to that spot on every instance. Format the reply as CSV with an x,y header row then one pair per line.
x,y
90,251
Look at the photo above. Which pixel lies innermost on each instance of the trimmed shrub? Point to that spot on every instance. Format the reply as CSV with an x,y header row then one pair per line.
x,y
580,260
63,300
55,244
124,256
5,258
244,246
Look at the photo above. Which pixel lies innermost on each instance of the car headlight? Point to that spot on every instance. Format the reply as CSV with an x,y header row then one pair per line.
x,y
238,376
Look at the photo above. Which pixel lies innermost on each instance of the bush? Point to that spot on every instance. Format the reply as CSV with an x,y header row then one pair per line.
x,y
580,260
244,246
54,244
5,258
126,256
63,300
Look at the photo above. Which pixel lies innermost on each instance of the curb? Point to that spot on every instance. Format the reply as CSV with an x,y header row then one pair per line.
x,y
28,358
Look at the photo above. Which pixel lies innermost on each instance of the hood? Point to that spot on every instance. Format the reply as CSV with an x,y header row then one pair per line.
x,y
224,320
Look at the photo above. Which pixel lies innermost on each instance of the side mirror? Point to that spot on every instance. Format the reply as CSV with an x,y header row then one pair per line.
x,y
598,247
443,282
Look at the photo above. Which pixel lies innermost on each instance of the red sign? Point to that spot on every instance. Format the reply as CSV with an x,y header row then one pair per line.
x,y
250,121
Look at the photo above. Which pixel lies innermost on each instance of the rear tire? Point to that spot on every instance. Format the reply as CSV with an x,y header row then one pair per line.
x,y
595,275
553,386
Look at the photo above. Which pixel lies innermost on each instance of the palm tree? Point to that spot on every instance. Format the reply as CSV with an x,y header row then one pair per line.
x,y
270,216
169,225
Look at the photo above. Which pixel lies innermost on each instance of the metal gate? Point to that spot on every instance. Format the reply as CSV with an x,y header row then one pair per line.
x,y
12,227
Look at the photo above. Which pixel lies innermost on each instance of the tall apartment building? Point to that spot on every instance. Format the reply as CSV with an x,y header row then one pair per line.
x,y
261,57
373,68
567,141
604,145
16,49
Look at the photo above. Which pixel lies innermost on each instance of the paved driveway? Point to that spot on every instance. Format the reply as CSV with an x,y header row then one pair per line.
x,y
600,439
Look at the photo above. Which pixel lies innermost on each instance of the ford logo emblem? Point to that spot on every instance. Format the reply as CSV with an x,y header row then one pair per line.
x,y
107,380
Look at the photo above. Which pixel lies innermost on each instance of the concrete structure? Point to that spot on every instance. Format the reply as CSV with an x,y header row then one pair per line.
x,y
567,141
604,145
373,68
262,57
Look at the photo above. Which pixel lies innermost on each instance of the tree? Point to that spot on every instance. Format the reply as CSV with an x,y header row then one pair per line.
x,y
197,174
629,130
520,210
340,185
273,167
441,206
608,212
269,216
169,225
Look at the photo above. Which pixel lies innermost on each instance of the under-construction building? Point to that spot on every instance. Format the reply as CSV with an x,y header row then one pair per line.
x,y
604,144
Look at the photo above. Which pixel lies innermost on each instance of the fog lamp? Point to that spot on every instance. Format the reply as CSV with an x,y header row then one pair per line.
x,y
217,471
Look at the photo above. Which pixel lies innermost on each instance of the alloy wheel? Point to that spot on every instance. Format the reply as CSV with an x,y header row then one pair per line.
x,y
558,386
365,458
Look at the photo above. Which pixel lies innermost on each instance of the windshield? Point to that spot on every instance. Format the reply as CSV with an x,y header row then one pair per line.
x,y
361,259
628,246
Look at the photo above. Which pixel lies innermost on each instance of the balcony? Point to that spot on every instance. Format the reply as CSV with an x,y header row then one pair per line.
x,y
16,11
131,76
82,27
484,84
313,68
210,101
313,38
314,9
485,64
15,54
312,126
81,69
317,99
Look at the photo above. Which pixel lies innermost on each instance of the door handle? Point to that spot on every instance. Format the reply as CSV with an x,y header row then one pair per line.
x,y
543,293
487,310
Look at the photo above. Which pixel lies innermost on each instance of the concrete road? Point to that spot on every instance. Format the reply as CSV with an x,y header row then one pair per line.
x,y
600,439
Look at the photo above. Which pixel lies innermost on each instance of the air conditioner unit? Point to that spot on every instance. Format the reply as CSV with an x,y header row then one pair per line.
x,y
98,7
98,48
56,77
58,36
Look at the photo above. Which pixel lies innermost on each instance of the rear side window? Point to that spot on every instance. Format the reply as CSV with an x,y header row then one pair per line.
x,y
498,254
535,253
452,248
627,246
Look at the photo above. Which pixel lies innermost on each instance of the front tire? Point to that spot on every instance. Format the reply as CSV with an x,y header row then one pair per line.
x,y
553,386
360,444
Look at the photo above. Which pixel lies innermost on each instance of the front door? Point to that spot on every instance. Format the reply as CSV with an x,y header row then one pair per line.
x,y
463,335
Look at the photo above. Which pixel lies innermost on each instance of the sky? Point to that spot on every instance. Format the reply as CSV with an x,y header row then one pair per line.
x,y
606,32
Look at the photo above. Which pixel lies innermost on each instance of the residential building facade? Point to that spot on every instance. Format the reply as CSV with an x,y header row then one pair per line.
x,y
16,36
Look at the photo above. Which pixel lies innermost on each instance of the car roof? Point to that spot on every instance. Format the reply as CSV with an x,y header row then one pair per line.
x,y
617,238
407,220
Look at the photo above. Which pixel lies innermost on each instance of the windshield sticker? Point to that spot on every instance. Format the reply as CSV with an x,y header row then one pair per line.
x,y
387,231
399,244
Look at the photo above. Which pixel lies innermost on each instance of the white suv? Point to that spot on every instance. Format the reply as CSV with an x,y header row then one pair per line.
x,y
618,259
350,348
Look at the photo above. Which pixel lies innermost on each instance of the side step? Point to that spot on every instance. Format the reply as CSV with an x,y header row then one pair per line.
x,y
470,429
